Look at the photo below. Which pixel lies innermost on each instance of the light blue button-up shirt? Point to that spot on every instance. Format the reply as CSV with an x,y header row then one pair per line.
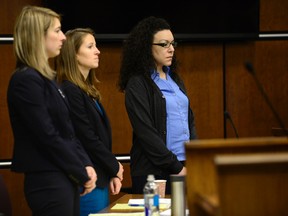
x,y
177,114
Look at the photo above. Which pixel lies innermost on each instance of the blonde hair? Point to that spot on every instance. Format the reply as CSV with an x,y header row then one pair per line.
x,y
67,65
29,38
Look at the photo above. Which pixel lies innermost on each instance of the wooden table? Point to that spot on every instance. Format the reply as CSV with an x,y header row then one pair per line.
x,y
123,199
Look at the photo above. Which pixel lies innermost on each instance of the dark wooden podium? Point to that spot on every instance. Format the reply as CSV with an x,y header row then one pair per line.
x,y
237,176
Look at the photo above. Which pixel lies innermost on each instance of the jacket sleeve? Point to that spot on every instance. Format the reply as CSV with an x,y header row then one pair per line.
x,y
98,151
137,101
44,116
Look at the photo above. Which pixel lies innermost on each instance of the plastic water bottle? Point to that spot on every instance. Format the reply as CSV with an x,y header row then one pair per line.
x,y
151,197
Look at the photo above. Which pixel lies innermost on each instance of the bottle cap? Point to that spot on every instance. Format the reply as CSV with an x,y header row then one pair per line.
x,y
150,177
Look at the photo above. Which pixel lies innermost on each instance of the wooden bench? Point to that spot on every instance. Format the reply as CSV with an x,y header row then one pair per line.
x,y
208,173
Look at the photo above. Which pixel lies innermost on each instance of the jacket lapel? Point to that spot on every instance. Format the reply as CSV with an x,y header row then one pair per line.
x,y
60,92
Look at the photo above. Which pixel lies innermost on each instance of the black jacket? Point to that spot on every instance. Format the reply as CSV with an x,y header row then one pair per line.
x,y
94,131
44,138
146,108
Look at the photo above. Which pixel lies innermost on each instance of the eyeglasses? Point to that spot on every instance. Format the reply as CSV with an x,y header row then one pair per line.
x,y
166,44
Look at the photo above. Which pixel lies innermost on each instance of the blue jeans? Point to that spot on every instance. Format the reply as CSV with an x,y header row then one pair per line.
x,y
94,201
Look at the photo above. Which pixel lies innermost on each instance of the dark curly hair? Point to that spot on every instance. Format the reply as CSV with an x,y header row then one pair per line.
x,y
137,55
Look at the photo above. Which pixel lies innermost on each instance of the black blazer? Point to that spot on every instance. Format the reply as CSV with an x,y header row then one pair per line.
x,y
44,138
93,129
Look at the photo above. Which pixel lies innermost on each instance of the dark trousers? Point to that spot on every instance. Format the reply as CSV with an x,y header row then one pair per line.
x,y
51,194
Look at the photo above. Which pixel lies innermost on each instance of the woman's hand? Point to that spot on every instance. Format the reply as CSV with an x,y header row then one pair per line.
x,y
115,185
183,171
90,184
120,171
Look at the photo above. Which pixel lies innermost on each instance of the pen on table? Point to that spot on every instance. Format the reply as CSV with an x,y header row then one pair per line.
x,y
136,205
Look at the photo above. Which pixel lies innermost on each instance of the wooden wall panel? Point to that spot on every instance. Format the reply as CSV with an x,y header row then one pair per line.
x,y
245,103
113,99
201,70
247,107
10,10
273,15
14,183
7,62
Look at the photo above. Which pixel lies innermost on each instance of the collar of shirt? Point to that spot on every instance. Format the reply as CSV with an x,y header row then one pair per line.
x,y
155,74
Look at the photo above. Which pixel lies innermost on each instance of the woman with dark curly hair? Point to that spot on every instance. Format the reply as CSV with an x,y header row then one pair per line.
x,y
156,103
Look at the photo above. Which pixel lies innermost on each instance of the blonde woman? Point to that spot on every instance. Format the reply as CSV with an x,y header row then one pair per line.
x,y
46,149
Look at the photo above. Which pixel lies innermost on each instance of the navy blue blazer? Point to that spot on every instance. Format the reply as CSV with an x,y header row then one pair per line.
x,y
93,129
44,137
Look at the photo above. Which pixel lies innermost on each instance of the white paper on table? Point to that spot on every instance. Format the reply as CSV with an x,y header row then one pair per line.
x,y
118,214
168,212
140,202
